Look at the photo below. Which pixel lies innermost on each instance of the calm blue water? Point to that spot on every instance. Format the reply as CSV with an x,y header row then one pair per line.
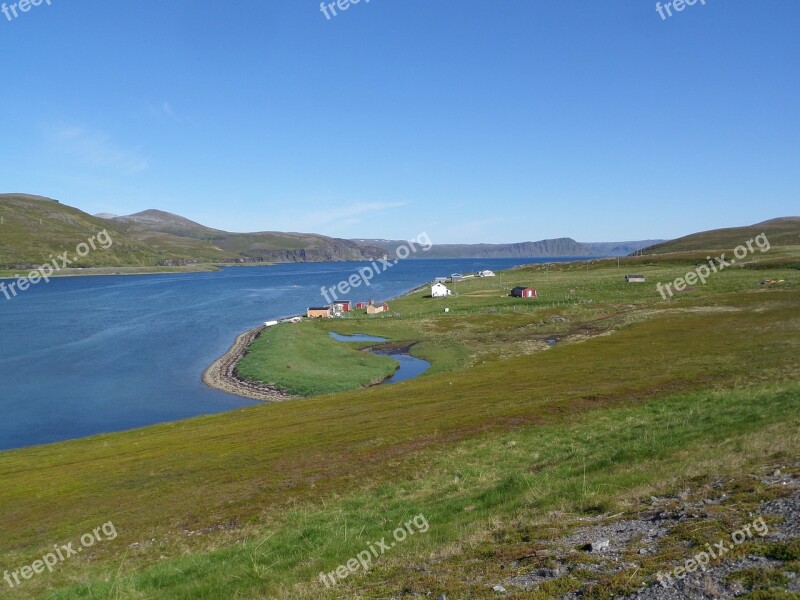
x,y
357,337
409,366
87,355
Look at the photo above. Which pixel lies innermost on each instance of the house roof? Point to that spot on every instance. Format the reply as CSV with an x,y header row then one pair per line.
x,y
319,308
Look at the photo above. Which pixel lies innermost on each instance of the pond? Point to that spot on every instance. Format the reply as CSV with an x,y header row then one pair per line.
x,y
410,367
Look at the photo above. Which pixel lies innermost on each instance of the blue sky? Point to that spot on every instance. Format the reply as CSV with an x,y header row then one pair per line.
x,y
474,121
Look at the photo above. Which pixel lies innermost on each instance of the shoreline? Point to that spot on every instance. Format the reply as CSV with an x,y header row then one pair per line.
x,y
128,271
221,374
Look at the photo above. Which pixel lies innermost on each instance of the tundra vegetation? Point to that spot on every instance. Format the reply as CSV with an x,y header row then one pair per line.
x,y
505,444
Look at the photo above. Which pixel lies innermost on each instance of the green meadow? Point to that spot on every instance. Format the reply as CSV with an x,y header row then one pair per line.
x,y
502,441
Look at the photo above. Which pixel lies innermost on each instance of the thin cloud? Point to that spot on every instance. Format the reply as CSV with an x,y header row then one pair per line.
x,y
164,111
96,149
347,215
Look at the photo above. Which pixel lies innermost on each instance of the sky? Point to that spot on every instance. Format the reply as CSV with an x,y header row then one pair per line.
x,y
504,121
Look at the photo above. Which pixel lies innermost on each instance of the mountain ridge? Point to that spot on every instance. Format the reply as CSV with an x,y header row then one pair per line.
x,y
34,227
556,247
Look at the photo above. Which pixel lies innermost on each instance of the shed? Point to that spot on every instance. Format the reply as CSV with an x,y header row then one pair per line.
x,y
320,312
440,290
524,292
342,306
374,309
634,278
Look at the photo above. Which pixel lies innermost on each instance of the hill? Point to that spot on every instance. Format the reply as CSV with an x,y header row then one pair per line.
x,y
176,233
784,231
33,227
555,247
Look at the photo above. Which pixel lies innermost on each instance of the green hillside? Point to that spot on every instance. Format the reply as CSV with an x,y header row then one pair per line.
x,y
175,234
784,231
33,228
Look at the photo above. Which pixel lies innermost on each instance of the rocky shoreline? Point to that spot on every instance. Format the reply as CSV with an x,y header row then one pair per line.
x,y
221,375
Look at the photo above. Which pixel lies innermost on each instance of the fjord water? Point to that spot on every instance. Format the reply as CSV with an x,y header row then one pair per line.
x,y
87,355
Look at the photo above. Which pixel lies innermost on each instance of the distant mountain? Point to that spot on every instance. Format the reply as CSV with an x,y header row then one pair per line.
x,y
784,231
33,228
619,248
174,232
560,247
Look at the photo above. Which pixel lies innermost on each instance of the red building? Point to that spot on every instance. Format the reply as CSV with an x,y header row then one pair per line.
x,y
524,292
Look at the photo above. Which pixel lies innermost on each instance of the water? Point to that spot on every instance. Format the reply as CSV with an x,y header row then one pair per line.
x,y
358,337
87,355
409,366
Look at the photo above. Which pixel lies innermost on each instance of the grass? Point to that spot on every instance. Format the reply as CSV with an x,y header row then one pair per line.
x,y
484,324
639,397
461,490
304,362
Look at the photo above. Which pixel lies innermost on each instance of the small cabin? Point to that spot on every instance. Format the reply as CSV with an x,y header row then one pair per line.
x,y
342,306
524,292
374,309
320,312
361,306
440,290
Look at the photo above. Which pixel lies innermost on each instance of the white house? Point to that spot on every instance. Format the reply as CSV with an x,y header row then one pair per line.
x,y
440,290
486,274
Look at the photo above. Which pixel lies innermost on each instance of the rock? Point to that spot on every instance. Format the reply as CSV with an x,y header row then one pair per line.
x,y
776,473
642,551
442,597
599,545
499,589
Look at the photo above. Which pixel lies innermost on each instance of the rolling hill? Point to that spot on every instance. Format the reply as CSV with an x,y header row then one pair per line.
x,y
33,228
783,231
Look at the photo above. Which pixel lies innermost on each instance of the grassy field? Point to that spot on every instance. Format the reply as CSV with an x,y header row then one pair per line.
x,y
483,324
496,445
305,363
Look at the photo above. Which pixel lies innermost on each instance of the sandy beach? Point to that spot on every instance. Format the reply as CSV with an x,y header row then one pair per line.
x,y
221,375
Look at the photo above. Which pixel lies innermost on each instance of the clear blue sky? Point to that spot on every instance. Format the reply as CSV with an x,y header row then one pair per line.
x,y
499,121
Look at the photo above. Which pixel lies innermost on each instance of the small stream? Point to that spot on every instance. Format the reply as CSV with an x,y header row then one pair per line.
x,y
410,366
